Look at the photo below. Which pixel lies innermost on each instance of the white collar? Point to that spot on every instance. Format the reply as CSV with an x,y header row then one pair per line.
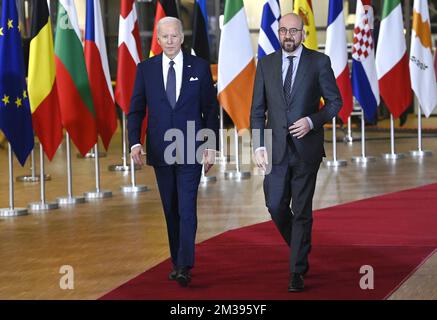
x,y
178,60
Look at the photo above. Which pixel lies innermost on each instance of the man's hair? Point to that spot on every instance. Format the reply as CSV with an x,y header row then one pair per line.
x,y
166,20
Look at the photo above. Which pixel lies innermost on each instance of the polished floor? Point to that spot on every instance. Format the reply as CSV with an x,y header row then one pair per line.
x,y
107,242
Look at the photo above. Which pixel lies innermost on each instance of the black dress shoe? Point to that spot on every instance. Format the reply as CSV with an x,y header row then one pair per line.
x,y
172,275
296,283
183,276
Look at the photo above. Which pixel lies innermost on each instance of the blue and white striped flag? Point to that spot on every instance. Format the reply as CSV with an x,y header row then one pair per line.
x,y
268,41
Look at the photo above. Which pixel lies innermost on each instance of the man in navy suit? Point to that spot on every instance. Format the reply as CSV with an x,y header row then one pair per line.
x,y
177,90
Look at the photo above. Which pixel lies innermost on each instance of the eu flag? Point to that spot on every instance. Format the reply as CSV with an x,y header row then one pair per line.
x,y
15,116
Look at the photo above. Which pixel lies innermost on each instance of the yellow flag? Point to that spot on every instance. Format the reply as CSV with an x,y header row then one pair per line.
x,y
304,9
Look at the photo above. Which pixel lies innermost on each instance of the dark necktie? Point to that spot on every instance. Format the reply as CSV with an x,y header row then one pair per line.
x,y
170,88
287,82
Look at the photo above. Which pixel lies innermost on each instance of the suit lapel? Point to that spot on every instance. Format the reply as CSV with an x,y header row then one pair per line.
x,y
302,69
160,79
278,75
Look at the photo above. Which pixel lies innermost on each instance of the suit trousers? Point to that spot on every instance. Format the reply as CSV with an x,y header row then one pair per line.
x,y
178,186
292,180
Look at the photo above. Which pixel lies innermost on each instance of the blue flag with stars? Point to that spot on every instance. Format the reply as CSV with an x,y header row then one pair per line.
x,y
15,116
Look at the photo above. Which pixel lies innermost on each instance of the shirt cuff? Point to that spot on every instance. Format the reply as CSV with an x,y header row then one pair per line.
x,y
134,146
310,122
260,148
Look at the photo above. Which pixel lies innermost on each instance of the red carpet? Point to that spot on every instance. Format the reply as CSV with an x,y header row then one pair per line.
x,y
393,233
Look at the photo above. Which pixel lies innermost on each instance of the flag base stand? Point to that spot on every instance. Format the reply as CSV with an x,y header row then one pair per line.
x,y
36,178
348,139
207,179
120,167
362,159
7,212
336,163
393,156
134,189
42,206
92,155
70,200
420,153
92,195
237,175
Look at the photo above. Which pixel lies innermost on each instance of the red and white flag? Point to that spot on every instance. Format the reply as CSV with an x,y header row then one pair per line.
x,y
129,54
98,73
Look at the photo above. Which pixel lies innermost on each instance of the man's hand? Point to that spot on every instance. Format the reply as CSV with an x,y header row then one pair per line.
x,y
261,158
208,159
300,128
136,154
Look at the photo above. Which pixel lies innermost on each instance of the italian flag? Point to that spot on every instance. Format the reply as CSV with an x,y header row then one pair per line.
x,y
392,60
236,65
75,99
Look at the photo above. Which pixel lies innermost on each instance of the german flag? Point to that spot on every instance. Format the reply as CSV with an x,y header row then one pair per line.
x,y
46,118
164,8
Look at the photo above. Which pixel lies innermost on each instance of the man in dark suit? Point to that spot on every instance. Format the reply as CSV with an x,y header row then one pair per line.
x,y
181,101
288,86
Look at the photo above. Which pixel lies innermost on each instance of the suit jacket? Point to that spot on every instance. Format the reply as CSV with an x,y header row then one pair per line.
x,y
314,79
197,102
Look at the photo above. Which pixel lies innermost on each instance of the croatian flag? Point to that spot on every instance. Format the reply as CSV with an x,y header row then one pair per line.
x,y
268,41
364,79
98,73
336,49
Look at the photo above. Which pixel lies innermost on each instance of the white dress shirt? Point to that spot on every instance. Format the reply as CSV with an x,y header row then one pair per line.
x,y
178,67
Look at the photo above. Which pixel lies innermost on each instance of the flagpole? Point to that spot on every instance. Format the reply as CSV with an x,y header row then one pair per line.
x,y
349,138
91,154
419,153
335,162
42,205
392,155
363,158
69,199
98,194
33,176
133,187
221,159
124,166
11,211
236,174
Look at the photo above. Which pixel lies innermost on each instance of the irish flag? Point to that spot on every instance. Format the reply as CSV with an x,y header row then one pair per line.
x,y
423,78
236,65
392,60
75,99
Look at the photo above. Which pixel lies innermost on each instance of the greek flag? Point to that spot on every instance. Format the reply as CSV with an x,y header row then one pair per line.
x,y
268,41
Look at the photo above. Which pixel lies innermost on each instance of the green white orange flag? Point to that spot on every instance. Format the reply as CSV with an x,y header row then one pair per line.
x,y
236,65
392,60
75,99
423,78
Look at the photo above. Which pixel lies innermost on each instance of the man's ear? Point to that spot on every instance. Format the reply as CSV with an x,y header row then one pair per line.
x,y
304,34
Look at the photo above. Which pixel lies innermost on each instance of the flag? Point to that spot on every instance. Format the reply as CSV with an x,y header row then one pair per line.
x,y
129,54
392,60
304,9
15,116
423,78
98,72
43,95
75,99
200,30
236,65
336,49
435,60
268,40
364,80
164,8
